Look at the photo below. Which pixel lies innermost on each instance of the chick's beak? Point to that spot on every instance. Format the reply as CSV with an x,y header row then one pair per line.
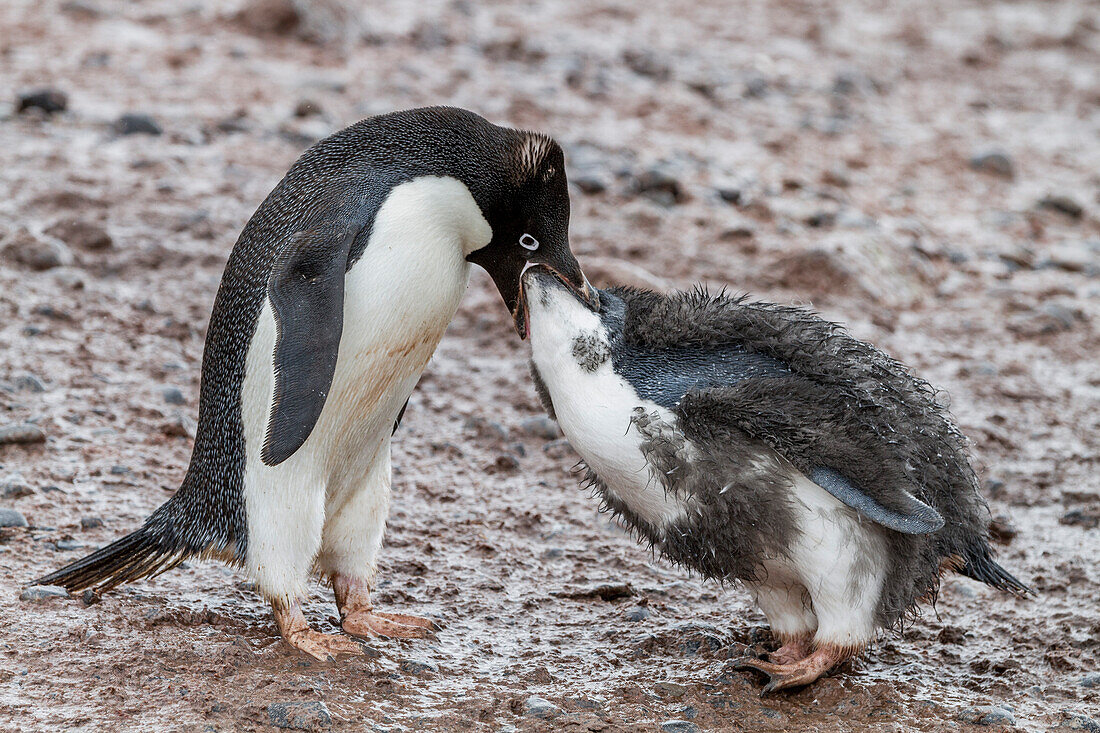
x,y
570,273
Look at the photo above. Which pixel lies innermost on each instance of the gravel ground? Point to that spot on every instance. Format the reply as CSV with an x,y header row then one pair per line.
x,y
925,173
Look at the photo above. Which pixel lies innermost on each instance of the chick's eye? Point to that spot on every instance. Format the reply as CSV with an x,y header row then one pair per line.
x,y
528,242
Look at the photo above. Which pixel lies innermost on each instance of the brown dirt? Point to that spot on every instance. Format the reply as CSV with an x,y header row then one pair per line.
x,y
816,152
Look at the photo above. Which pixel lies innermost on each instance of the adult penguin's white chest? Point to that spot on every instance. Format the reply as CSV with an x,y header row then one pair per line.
x,y
398,299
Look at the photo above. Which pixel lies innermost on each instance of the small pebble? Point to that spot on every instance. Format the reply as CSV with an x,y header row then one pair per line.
x,y
29,383
638,613
90,522
995,163
537,707
1076,721
540,426
81,234
987,715
1091,680
418,666
679,726
135,123
36,253
300,715
15,487
173,395
67,545
12,518
46,100
43,593
1063,205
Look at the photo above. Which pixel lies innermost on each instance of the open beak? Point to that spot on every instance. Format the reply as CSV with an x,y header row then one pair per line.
x,y
578,285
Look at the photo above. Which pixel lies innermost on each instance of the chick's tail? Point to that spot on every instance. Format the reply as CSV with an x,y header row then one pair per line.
x,y
978,563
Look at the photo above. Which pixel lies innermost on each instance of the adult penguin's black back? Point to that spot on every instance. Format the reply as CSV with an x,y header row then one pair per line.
x,y
843,402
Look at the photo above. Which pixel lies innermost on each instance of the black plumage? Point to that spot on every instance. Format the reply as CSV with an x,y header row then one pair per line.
x,y
294,252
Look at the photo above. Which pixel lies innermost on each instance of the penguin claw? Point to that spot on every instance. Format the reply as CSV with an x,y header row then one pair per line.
x,y
389,625
409,620
795,674
323,647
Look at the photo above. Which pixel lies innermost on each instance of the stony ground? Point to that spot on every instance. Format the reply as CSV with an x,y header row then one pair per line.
x,y
925,173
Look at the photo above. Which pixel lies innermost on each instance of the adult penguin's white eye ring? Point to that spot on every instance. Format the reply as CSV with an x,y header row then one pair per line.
x,y
528,242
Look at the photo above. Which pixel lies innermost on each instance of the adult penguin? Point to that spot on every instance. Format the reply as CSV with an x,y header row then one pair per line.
x,y
333,301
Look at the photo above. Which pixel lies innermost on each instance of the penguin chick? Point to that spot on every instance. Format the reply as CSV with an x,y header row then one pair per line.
x,y
332,302
756,442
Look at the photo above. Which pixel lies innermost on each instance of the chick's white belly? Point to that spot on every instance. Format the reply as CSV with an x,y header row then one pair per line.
x,y
595,412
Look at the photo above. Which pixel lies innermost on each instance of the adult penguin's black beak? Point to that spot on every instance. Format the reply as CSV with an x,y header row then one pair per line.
x,y
507,274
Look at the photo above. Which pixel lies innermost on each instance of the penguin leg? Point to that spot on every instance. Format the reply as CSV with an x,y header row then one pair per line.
x,y
358,617
786,603
794,649
800,673
356,522
294,628
286,509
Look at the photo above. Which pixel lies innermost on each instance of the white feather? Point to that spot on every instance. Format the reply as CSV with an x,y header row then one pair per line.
x,y
328,502
594,408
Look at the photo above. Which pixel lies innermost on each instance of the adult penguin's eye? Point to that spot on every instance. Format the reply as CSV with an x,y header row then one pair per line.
x,y
528,242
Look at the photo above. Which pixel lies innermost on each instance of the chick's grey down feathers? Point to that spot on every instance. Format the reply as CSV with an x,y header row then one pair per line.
x,y
836,404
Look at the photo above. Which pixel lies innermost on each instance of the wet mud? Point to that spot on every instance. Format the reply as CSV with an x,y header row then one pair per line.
x,y
925,173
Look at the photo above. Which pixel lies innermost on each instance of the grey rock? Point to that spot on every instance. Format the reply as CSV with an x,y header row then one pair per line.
x,y
559,448
307,108
418,666
994,163
36,253
647,63
29,383
638,613
756,86
21,433
485,428
90,522
1063,205
541,426
670,689
590,181
1076,721
135,123
537,707
46,100
679,726
173,395
15,487
66,545
1091,680
987,715
300,715
1087,518
118,470
659,184
81,234
179,426
12,518
43,593
730,194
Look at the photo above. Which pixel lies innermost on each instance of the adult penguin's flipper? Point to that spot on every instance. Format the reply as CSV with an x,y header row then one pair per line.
x,y
306,289
912,516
